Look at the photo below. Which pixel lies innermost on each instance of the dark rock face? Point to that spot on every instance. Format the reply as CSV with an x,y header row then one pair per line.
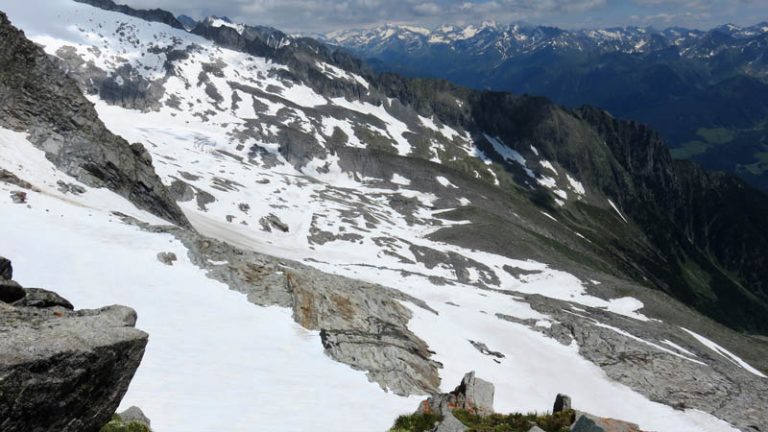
x,y
77,371
156,15
41,299
10,291
562,403
36,97
450,424
684,221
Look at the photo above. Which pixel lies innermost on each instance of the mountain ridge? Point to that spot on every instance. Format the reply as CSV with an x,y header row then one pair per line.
x,y
703,90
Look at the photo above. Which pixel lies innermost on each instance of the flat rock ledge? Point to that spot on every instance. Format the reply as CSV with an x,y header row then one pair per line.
x,y
61,369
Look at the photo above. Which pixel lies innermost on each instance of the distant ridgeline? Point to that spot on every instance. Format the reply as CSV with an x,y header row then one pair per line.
x,y
704,91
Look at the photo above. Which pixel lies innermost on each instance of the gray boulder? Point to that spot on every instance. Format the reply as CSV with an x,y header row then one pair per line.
x,y
589,423
450,424
167,258
40,298
473,394
6,269
134,414
10,291
63,370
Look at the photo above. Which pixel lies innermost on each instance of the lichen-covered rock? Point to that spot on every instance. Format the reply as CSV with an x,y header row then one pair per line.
x,y
62,370
473,395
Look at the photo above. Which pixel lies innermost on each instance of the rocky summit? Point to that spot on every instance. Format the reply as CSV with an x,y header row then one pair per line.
x,y
302,234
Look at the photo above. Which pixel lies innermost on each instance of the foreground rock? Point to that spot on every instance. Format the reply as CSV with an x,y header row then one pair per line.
x,y
473,395
63,370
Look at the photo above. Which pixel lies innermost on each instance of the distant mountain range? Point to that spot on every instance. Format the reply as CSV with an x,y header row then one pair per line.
x,y
705,91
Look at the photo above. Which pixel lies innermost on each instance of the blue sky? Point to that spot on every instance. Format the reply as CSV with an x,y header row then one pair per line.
x,y
330,15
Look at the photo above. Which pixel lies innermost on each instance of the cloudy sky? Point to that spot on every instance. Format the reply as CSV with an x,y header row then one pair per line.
x,y
330,15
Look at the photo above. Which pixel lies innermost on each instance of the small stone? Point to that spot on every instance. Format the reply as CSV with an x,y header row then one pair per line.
x,y
10,291
19,197
167,258
134,414
40,298
6,269
562,403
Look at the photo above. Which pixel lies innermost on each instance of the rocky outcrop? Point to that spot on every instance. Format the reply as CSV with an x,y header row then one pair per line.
x,y
473,395
361,324
64,370
38,98
472,401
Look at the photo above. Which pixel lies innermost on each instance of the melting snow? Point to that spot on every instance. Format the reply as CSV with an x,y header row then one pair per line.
x,y
725,353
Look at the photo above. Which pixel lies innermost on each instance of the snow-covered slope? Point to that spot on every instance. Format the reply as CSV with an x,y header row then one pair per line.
x,y
262,160
212,357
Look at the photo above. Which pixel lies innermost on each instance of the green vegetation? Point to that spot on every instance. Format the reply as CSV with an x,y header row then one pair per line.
x,y
689,150
374,139
415,423
759,167
560,422
710,137
717,136
118,425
